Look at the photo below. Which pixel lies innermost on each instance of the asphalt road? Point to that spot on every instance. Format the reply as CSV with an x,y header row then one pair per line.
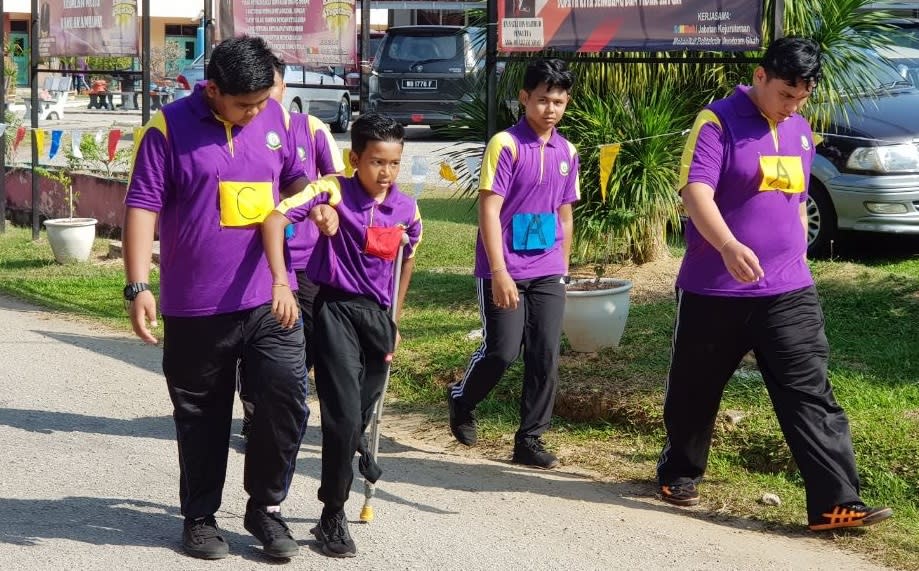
x,y
90,481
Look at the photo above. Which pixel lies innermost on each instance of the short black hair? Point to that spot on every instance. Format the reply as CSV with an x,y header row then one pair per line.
x,y
375,127
553,72
793,59
279,66
242,65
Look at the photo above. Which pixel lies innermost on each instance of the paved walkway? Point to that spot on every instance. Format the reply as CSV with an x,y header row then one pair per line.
x,y
89,481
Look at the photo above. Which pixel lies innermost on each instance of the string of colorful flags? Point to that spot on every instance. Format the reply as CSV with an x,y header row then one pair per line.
x,y
56,138
608,154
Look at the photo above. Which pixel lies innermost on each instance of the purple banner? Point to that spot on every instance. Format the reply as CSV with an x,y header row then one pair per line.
x,y
629,25
87,28
319,32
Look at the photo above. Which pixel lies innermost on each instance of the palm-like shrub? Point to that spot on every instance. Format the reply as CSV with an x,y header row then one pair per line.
x,y
646,108
646,105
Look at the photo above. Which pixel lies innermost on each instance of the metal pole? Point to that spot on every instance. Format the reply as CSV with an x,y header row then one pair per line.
x,y
3,120
491,64
364,63
145,63
778,19
208,34
33,75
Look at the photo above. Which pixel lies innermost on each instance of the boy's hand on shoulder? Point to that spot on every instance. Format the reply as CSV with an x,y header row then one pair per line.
x,y
284,305
325,218
504,293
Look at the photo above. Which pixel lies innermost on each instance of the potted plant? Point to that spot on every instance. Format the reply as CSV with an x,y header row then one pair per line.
x,y
71,238
596,310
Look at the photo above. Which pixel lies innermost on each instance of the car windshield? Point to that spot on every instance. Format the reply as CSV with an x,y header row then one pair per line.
x,y
904,34
435,53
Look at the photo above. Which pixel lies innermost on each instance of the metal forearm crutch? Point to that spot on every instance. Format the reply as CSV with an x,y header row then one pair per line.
x,y
376,415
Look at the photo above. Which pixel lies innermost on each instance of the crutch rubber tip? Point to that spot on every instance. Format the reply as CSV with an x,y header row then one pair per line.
x,y
367,514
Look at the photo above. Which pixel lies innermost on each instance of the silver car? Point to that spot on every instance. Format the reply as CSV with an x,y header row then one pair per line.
x,y
323,95
866,172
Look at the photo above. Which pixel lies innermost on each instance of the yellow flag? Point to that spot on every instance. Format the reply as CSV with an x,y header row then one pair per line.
x,y
39,139
818,138
346,157
138,131
608,154
447,173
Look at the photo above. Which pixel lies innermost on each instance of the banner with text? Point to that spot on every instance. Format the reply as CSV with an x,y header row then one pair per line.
x,y
87,28
629,25
316,32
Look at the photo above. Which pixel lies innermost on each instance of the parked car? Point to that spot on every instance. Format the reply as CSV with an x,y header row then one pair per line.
x,y
866,172
421,73
902,48
353,72
322,94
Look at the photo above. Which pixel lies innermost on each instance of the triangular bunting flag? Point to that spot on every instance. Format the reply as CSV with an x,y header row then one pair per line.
x,y
346,156
608,154
2,129
447,173
100,136
39,135
138,133
113,137
20,135
55,143
75,140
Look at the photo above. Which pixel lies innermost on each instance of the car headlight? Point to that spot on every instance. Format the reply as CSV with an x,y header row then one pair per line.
x,y
902,158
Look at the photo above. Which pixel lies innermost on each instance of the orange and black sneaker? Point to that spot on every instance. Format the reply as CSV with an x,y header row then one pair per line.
x,y
853,514
680,494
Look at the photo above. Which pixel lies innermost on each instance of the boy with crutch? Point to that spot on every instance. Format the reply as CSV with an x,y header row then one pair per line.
x,y
354,335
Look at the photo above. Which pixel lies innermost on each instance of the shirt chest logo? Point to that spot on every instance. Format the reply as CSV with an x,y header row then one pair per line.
x,y
805,144
273,141
564,168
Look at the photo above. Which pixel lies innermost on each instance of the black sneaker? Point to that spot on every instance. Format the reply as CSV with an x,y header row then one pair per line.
x,y
532,451
201,538
462,421
333,536
270,528
680,494
854,514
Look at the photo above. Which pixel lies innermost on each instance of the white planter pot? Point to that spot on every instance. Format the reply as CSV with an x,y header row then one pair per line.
x,y
595,319
71,239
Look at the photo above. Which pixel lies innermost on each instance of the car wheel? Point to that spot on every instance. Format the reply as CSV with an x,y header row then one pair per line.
x,y
821,221
344,117
295,106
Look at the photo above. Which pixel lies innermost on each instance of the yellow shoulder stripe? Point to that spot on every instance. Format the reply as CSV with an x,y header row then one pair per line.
x,y
327,184
703,118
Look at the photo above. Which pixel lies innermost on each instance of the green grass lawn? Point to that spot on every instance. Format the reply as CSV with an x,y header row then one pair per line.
x,y
871,304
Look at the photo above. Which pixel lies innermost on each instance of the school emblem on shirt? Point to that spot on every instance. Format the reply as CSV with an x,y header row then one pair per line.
x,y
273,141
301,152
805,144
564,168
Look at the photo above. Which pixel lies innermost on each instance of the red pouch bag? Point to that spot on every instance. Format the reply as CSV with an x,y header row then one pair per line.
x,y
384,241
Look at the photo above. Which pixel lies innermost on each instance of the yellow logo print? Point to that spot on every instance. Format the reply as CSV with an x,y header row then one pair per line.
x,y
782,173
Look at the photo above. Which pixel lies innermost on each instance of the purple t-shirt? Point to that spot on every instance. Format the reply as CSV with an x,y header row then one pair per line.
x,y
185,156
319,156
759,171
535,178
340,260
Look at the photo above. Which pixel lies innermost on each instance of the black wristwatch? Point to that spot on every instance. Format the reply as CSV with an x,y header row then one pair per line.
x,y
566,279
132,289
